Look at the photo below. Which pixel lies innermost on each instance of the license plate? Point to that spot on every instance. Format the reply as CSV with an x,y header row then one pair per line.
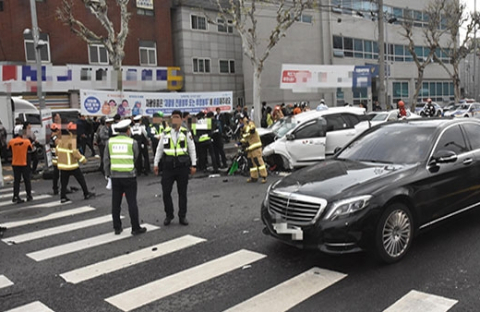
x,y
284,228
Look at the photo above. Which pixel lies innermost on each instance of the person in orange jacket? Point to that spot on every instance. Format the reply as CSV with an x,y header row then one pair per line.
x,y
20,146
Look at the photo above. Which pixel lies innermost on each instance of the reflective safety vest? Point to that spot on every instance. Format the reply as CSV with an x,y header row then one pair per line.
x,y
200,127
181,147
154,131
67,159
122,158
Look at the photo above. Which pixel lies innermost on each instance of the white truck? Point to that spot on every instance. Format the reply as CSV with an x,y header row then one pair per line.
x,y
25,111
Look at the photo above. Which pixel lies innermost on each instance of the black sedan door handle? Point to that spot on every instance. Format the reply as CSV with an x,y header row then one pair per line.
x,y
468,161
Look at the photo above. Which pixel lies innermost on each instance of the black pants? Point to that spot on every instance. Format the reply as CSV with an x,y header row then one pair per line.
x,y
154,147
101,151
203,149
56,176
129,187
168,178
219,151
32,161
142,164
18,173
65,176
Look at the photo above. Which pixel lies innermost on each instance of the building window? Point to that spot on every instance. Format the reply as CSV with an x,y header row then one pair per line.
x,y
306,18
400,91
30,48
145,12
227,66
240,101
199,22
201,65
1,5
225,27
148,53
97,54
437,91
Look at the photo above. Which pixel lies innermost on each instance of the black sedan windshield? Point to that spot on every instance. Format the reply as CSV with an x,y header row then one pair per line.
x,y
396,143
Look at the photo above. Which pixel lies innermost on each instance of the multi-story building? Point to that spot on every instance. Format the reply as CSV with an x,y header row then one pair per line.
x,y
208,49
70,64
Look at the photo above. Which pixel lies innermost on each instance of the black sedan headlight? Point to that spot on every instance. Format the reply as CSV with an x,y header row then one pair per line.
x,y
348,206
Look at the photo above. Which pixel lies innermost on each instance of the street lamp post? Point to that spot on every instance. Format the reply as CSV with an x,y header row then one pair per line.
x,y
38,56
381,55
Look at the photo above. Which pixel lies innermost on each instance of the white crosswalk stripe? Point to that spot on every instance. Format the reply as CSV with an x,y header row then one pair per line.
x,y
124,261
416,301
36,306
159,289
52,216
61,250
23,193
39,197
5,282
290,293
8,189
56,230
51,204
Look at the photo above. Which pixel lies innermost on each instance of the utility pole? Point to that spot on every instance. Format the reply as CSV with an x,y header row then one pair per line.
x,y
38,56
382,96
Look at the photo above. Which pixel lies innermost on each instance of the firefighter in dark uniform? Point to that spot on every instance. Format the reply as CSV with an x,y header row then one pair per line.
x,y
119,160
177,151
202,132
429,109
139,134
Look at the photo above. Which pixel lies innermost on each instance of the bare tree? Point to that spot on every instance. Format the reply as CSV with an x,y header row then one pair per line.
x,y
432,32
454,17
114,43
243,15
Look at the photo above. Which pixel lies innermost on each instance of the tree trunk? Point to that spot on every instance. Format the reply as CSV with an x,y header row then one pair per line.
x,y
118,73
257,80
417,89
456,83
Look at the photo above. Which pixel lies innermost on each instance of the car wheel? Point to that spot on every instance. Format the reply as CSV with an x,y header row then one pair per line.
x,y
394,233
466,116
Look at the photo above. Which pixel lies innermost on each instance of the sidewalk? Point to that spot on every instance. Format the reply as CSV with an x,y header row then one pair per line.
x,y
93,163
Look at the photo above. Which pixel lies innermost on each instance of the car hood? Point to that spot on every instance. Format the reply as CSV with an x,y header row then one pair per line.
x,y
263,131
332,179
457,112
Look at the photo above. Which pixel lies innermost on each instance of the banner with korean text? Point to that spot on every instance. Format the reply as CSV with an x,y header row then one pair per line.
x,y
126,104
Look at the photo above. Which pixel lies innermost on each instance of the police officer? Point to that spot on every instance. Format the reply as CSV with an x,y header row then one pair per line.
x,y
119,160
429,109
202,131
251,139
19,147
177,150
139,134
56,135
156,129
68,158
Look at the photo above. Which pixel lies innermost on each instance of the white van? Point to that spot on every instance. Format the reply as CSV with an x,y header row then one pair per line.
x,y
25,111
309,137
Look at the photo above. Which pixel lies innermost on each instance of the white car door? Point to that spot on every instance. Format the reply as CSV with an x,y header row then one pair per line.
x,y
339,132
306,144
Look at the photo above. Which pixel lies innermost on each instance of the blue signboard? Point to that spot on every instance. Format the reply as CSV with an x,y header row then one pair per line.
x,y
362,76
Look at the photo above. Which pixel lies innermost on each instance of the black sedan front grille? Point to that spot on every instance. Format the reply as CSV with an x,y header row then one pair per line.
x,y
295,208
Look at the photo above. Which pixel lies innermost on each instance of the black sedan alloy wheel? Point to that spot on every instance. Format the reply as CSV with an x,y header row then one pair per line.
x,y
394,233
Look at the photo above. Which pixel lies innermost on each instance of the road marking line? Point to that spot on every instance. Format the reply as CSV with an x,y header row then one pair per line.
x,y
11,195
64,249
5,282
416,301
125,261
51,204
52,216
288,294
9,202
161,288
4,190
36,306
56,230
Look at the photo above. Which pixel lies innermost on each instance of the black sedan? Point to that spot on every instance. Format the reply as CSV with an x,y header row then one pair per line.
x,y
380,190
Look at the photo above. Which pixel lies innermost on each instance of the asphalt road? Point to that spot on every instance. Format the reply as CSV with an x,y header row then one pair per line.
x,y
225,260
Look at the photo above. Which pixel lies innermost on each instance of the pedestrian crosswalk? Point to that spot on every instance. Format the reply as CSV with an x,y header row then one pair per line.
x,y
281,297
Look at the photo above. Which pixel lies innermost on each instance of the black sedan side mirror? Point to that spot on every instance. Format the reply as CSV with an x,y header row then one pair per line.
x,y
290,137
444,156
